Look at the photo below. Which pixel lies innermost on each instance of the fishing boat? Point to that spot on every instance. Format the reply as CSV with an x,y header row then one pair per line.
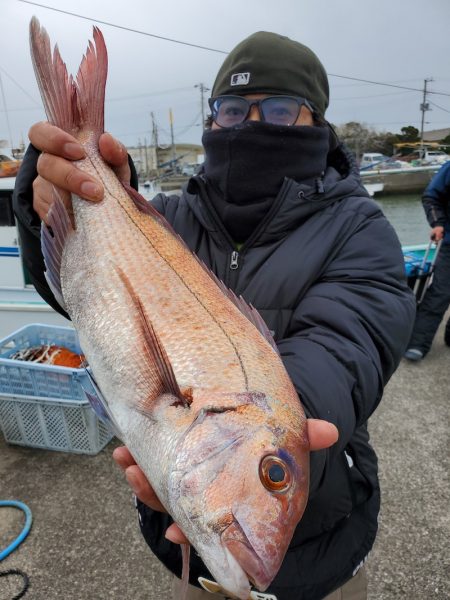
x,y
20,304
9,166
391,175
398,181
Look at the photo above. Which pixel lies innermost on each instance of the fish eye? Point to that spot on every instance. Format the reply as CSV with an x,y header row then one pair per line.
x,y
274,474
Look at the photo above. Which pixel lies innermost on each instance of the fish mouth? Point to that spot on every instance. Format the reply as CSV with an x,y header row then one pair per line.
x,y
237,543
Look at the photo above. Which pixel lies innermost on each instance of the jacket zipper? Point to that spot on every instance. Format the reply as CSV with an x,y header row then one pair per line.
x,y
234,263
233,266
231,278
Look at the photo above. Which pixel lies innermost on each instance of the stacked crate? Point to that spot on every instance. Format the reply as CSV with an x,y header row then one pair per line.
x,y
44,406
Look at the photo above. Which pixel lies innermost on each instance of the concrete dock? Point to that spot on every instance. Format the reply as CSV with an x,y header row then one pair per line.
x,y
85,542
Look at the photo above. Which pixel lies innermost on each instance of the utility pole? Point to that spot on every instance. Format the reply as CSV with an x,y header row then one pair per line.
x,y
424,107
146,159
141,162
174,161
155,142
6,112
154,130
202,89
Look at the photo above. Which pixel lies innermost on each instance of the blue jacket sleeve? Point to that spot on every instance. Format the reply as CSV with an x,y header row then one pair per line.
x,y
436,197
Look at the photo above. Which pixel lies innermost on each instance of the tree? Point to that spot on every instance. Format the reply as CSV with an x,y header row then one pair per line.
x,y
446,144
360,139
356,136
384,142
409,134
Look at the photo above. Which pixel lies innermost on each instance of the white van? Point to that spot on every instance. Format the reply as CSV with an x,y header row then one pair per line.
x,y
435,157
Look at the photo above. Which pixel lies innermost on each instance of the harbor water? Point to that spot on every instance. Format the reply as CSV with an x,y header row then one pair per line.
x,y
404,212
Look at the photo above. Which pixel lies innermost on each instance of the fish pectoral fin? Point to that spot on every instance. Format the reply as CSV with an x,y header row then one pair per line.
x,y
156,353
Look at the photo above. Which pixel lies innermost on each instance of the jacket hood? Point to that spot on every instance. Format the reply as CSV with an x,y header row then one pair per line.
x,y
295,202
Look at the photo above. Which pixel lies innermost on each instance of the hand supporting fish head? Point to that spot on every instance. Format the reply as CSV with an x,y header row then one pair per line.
x,y
239,488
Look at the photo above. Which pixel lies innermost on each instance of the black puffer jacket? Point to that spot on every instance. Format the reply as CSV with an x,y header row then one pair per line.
x,y
325,270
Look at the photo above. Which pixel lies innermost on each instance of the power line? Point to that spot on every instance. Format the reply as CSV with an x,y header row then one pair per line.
x,y
440,107
401,87
345,85
160,37
214,49
120,98
19,86
192,124
167,39
371,96
23,109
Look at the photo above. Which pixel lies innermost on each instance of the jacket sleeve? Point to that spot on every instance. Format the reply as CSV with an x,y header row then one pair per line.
x,y
349,332
29,224
436,197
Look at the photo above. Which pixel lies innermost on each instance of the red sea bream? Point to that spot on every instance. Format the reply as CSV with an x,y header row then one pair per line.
x,y
188,373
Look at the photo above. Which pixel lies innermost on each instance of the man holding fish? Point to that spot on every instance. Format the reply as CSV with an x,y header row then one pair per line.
x,y
279,215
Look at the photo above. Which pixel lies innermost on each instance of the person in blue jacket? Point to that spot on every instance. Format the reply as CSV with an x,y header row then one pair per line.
x,y
436,203
279,214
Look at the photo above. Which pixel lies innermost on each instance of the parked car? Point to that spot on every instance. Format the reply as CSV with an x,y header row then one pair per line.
x,y
376,160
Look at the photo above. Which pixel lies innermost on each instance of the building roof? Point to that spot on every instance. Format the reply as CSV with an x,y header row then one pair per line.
x,y
436,135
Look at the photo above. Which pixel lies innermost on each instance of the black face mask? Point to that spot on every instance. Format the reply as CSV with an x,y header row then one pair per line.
x,y
246,165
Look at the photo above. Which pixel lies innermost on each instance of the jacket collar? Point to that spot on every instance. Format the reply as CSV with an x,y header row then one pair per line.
x,y
296,201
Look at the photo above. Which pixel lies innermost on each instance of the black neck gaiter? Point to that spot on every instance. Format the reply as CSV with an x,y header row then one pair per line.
x,y
246,165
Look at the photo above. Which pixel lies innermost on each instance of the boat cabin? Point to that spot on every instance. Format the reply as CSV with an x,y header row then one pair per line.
x,y
20,304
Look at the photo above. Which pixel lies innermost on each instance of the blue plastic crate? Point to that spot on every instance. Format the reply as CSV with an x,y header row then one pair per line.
x,y
52,424
413,264
33,379
44,406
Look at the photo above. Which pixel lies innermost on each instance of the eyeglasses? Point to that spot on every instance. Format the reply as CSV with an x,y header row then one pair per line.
x,y
279,110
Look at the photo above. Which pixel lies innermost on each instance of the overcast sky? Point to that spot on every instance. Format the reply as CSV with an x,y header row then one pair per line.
x,y
400,42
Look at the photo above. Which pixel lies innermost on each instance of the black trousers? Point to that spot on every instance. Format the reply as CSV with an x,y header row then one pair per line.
x,y
434,305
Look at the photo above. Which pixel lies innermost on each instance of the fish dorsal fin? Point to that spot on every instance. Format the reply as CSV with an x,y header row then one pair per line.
x,y
246,309
249,311
53,239
147,208
156,351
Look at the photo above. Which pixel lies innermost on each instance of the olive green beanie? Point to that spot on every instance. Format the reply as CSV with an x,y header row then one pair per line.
x,y
270,63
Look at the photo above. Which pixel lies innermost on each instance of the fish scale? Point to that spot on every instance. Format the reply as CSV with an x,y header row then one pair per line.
x,y
210,359
187,374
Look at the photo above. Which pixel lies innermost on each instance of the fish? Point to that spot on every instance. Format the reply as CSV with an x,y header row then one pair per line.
x,y
187,373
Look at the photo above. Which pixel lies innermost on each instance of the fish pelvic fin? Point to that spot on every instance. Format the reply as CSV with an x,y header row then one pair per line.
x,y
156,353
185,554
70,104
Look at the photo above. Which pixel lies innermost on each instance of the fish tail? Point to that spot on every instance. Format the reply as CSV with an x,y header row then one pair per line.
x,y
70,104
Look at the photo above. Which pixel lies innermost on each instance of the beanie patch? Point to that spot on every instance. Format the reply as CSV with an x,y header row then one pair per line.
x,y
240,79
